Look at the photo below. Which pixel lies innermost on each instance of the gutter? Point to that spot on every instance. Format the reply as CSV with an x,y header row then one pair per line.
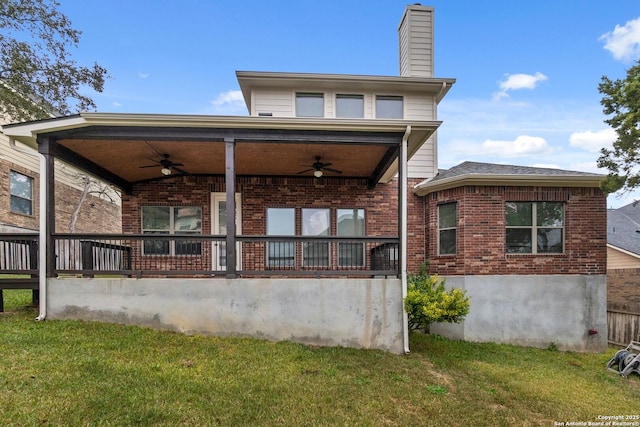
x,y
403,234
42,248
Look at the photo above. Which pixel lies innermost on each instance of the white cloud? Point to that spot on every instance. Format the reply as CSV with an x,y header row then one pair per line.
x,y
523,145
624,41
229,102
593,141
117,105
143,75
518,81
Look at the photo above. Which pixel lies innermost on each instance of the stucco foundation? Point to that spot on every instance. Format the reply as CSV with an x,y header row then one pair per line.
x,y
533,310
361,313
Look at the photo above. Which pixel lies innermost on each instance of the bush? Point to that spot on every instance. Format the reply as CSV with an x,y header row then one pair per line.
x,y
428,302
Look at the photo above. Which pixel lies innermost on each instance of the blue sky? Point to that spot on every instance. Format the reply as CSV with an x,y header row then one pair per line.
x,y
527,75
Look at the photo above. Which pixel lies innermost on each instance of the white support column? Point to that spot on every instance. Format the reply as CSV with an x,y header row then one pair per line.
x,y
403,215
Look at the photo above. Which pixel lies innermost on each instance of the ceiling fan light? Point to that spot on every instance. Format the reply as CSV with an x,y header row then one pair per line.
x,y
165,171
317,173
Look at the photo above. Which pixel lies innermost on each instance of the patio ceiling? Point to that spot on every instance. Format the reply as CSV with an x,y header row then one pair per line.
x,y
118,148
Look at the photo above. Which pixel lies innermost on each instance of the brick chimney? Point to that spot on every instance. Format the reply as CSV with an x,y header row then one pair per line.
x,y
415,36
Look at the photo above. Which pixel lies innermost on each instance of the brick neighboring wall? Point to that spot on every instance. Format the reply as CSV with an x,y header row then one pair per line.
x,y
259,193
623,289
481,231
96,216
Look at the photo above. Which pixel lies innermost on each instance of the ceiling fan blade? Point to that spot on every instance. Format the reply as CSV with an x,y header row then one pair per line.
x,y
175,164
180,171
324,165
149,166
332,170
305,171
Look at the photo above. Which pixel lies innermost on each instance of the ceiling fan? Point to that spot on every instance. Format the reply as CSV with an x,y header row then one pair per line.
x,y
167,165
319,168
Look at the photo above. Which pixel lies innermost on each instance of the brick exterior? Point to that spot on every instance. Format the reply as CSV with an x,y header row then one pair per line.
x,y
259,193
623,289
481,232
96,216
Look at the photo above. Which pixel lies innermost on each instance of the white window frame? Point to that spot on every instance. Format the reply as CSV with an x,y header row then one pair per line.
x,y
309,95
346,96
454,228
534,227
29,180
171,230
307,230
389,98
281,263
351,246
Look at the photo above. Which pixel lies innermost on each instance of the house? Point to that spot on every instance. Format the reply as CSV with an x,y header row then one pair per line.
x,y
19,195
83,204
302,220
623,258
528,246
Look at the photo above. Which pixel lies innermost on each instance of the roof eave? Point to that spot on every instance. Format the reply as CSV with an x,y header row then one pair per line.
x,y
430,186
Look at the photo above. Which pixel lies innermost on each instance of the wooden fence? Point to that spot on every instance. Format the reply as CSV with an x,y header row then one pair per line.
x,y
622,327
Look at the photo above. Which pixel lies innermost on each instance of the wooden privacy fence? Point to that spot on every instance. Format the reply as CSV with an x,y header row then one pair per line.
x,y
622,327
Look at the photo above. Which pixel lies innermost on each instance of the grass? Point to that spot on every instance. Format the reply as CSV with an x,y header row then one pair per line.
x,y
85,373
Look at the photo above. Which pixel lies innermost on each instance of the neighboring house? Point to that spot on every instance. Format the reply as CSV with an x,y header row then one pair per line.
x,y
301,221
623,258
19,196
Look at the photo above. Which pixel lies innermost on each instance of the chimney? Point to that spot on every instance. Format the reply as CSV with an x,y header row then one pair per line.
x,y
415,36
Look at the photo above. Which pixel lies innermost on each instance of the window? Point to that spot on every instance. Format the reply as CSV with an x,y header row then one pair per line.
x,y
389,107
309,105
350,223
281,222
315,222
21,189
534,227
447,221
351,106
172,220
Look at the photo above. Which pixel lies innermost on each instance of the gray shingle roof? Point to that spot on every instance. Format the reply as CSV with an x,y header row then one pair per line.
x,y
623,227
476,173
476,168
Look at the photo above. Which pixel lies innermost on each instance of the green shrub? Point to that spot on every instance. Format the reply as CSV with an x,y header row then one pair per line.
x,y
428,302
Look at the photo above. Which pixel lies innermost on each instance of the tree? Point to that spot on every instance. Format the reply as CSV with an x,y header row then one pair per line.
x,y
38,77
621,101
428,302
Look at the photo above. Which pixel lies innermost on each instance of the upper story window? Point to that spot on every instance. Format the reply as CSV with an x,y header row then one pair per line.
x,y
172,220
389,107
309,105
350,106
447,222
21,189
534,227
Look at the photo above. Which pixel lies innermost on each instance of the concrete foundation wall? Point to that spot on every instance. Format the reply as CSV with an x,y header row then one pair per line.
x,y
533,311
361,313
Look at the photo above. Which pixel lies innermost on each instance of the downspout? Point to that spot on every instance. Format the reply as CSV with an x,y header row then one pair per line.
x,y
42,232
403,233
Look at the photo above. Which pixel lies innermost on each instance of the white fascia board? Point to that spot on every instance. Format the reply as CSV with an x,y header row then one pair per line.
x,y
429,186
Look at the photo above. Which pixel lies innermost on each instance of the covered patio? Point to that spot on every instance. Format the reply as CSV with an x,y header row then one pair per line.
x,y
133,151
259,272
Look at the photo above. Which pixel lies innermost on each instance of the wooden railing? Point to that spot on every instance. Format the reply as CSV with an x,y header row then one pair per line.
x,y
189,255
18,263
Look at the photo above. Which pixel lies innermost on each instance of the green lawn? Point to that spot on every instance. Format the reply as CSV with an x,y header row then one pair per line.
x,y
78,373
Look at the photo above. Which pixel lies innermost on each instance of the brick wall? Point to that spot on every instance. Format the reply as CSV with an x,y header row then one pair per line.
x,y
623,289
481,231
96,216
259,193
